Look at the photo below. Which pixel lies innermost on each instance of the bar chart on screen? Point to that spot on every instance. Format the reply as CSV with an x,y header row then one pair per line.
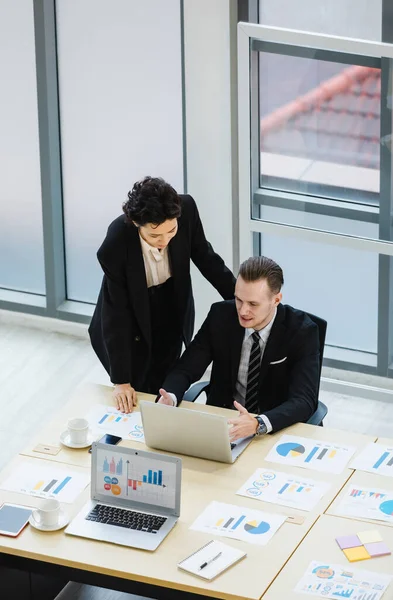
x,y
312,454
136,478
375,458
281,488
46,481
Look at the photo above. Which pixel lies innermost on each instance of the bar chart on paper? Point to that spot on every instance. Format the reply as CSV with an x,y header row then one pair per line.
x,y
326,580
238,522
46,482
281,488
311,454
109,420
367,503
375,458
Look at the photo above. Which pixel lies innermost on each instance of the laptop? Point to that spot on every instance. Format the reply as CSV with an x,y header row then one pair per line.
x,y
193,432
135,497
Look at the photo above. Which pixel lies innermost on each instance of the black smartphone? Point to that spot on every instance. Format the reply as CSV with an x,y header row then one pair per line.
x,y
108,438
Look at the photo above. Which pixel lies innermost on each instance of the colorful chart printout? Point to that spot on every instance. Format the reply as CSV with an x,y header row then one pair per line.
x,y
311,454
281,488
46,481
326,580
367,503
227,520
107,419
375,458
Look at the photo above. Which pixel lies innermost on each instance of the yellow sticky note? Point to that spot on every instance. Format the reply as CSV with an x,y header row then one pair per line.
x,y
369,537
357,553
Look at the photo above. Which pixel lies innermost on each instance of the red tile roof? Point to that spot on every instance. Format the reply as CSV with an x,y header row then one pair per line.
x,y
338,121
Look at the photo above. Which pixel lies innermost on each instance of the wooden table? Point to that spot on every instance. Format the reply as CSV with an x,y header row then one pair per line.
x,y
320,544
155,574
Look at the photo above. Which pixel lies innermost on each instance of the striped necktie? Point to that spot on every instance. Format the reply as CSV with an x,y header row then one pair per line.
x,y
251,402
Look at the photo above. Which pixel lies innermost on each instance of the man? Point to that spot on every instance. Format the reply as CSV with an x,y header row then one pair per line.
x,y
265,355
145,309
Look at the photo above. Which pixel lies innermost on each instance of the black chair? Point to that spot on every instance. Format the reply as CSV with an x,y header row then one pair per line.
x,y
317,418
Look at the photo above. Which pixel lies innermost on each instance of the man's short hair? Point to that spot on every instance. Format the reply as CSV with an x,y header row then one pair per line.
x,y
261,267
152,200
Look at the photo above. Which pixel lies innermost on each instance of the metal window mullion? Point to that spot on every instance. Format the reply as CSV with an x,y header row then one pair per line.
x,y
50,158
316,54
385,177
248,11
319,41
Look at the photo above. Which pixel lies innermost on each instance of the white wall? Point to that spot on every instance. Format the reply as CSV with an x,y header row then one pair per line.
x,y
348,18
21,236
120,88
208,130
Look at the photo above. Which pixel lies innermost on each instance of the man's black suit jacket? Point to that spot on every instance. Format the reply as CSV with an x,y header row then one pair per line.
x,y
289,371
120,330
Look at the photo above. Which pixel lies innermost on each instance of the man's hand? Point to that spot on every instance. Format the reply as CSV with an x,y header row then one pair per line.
x,y
125,397
244,425
165,398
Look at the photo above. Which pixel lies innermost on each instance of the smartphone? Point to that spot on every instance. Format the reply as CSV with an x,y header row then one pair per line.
x,y
108,438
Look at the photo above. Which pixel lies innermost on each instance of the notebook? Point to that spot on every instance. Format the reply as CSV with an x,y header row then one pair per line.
x,y
211,560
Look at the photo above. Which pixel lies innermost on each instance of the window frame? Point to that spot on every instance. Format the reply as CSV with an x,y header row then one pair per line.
x,y
252,37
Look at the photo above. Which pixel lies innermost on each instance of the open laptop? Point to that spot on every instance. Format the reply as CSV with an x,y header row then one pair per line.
x,y
192,432
135,497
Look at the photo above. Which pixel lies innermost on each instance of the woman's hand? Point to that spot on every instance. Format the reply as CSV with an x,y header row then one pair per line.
x,y
125,397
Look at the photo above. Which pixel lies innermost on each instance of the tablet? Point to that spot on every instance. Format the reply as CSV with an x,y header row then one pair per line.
x,y
13,518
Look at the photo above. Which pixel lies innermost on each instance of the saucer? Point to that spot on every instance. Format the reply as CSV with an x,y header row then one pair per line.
x,y
65,440
63,521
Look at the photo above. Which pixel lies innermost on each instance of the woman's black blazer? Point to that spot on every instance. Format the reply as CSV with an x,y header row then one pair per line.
x,y
120,330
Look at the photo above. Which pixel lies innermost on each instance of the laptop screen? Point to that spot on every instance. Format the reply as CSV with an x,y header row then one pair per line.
x,y
135,478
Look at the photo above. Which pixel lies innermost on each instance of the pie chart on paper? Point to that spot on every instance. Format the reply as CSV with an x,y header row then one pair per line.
x,y
290,449
256,528
387,507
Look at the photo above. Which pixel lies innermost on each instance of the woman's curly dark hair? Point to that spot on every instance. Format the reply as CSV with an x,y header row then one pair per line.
x,y
152,200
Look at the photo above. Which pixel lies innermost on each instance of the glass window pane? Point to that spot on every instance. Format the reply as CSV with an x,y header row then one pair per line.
x,y
349,18
21,236
320,127
120,115
335,283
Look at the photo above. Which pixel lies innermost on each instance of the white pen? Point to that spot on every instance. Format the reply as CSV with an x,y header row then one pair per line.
x,y
203,565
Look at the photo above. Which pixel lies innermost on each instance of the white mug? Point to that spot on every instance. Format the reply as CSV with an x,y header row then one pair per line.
x,y
48,513
78,430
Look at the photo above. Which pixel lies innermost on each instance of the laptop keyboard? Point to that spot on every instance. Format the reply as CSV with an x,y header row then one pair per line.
x,y
129,519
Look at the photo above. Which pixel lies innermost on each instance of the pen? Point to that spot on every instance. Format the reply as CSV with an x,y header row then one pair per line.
x,y
203,565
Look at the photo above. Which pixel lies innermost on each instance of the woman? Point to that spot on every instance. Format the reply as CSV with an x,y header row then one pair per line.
x,y
145,309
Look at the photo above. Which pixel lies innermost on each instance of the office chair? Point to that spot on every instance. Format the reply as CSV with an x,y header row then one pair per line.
x,y
317,418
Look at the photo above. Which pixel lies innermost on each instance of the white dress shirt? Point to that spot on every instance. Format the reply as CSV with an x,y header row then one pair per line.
x,y
156,262
241,383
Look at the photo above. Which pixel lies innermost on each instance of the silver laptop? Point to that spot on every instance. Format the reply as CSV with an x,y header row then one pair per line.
x,y
135,497
192,432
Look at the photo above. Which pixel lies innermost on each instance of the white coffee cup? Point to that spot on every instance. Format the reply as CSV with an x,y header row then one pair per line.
x,y
78,430
48,513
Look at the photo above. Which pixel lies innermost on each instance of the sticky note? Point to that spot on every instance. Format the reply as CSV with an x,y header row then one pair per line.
x,y
354,554
368,537
377,549
348,541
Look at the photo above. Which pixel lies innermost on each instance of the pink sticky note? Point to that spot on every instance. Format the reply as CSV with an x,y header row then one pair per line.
x,y
348,541
377,549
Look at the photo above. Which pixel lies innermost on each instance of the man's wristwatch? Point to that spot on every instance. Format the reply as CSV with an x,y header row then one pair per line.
x,y
261,429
